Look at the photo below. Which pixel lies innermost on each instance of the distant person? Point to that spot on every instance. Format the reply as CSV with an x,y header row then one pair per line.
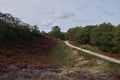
x,y
82,47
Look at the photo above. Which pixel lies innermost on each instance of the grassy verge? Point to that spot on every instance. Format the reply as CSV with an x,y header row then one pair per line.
x,y
61,55
72,58
89,47
97,50
97,64
93,48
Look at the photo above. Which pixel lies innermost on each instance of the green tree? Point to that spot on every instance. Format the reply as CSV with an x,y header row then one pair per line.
x,y
102,36
116,40
12,28
82,35
71,33
56,33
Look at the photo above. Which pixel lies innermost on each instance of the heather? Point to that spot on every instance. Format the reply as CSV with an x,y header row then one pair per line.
x,y
26,53
22,44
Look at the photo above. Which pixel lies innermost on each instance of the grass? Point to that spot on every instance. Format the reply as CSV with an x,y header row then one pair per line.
x,y
93,48
105,66
63,55
97,50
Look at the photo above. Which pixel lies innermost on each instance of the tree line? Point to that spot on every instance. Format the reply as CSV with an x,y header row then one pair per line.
x,y
105,36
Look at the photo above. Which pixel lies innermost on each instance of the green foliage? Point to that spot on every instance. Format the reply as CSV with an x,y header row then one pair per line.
x,y
102,36
78,38
71,33
80,35
116,40
56,33
105,36
12,28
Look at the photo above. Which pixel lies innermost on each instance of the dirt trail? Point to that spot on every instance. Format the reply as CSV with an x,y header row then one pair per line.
x,y
93,53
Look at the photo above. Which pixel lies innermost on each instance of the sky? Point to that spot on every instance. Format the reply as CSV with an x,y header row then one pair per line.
x,y
64,13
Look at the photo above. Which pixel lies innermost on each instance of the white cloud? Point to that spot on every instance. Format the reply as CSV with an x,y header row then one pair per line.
x,y
63,15
46,23
66,13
